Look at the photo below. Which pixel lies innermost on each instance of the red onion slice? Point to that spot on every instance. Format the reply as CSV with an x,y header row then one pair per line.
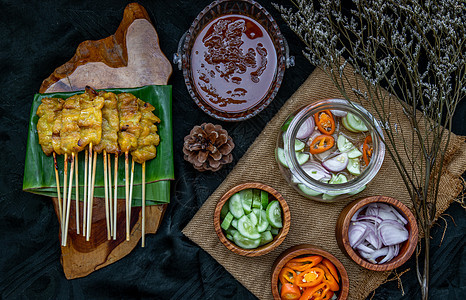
x,y
392,232
316,171
356,214
356,234
337,163
306,129
338,113
372,257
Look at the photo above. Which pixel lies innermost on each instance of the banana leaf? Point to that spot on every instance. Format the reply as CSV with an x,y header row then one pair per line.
x,y
39,173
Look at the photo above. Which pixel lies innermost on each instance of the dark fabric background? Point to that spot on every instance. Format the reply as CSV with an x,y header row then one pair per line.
x,y
37,37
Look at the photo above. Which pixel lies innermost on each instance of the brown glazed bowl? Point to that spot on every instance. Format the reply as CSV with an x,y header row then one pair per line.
x,y
261,250
307,249
217,9
406,249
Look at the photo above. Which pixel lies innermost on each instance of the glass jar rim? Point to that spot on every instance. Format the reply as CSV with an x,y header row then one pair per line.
x,y
361,180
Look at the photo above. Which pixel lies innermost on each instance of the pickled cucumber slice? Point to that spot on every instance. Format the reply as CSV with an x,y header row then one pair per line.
x,y
280,156
274,214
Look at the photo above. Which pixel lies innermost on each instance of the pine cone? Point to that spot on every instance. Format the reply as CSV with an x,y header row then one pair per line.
x,y
208,147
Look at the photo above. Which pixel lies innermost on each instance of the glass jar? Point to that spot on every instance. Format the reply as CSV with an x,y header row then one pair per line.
x,y
299,166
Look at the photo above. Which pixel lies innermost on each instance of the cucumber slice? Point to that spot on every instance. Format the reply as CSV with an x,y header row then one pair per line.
x,y
263,224
234,223
247,228
227,221
355,122
274,214
266,237
354,153
328,197
308,191
274,231
287,124
225,210
236,206
269,228
344,144
253,218
230,237
256,198
246,199
231,231
347,126
338,179
354,166
246,243
264,199
280,156
298,145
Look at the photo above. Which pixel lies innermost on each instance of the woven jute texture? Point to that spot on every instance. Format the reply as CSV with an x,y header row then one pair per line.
x,y
311,222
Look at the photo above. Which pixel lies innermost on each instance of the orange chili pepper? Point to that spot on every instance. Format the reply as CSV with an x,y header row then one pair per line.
x,y
309,292
321,144
367,149
329,278
310,277
325,122
324,294
290,292
331,268
303,263
287,275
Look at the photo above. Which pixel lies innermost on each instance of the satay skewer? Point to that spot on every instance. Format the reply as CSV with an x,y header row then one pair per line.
x,y
89,194
127,194
65,176
68,203
131,189
77,192
107,213
86,162
57,179
110,198
143,205
115,199
91,199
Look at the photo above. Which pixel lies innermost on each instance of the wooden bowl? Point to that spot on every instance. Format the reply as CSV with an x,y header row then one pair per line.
x,y
406,249
306,249
261,250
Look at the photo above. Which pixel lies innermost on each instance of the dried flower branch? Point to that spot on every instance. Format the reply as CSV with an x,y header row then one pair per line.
x,y
414,50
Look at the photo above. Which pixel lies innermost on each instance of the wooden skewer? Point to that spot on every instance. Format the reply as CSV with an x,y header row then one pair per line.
x,y
110,199
106,195
143,205
77,192
57,179
65,175
91,199
68,203
115,199
131,190
89,186
127,193
86,162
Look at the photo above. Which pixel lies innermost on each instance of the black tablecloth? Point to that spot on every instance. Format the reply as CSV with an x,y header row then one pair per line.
x,y
37,37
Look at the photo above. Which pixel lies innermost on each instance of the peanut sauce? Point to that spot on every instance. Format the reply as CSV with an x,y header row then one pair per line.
x,y
233,63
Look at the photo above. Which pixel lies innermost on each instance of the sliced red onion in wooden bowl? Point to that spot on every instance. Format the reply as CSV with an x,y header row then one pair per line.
x,y
376,232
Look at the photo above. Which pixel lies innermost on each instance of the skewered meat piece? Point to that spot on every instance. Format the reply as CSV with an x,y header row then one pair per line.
x,y
110,124
69,133
90,118
148,138
130,128
47,112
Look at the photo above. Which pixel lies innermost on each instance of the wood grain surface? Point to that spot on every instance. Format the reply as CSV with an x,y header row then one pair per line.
x,y
406,249
307,249
129,58
264,249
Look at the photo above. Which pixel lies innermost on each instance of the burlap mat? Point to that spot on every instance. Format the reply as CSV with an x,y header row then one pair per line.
x,y
311,222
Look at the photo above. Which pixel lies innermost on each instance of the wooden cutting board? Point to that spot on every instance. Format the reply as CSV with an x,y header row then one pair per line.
x,y
130,58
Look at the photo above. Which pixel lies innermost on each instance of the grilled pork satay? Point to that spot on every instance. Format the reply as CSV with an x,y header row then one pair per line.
x,y
47,112
146,150
109,144
148,137
90,124
130,129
